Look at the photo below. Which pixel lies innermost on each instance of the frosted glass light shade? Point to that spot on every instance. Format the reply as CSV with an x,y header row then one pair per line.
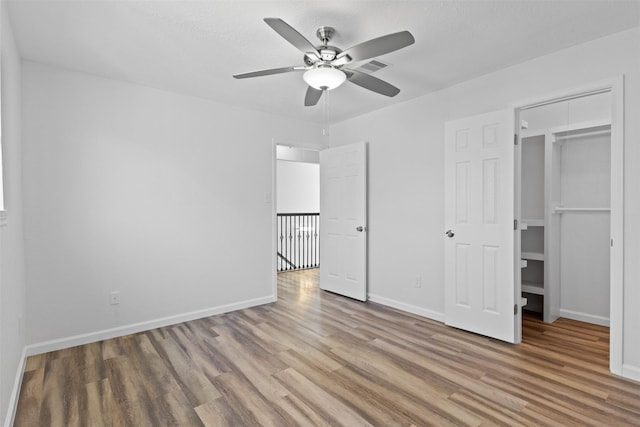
x,y
324,78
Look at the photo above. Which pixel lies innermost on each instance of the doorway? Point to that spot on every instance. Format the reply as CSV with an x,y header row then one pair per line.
x,y
569,208
342,227
297,208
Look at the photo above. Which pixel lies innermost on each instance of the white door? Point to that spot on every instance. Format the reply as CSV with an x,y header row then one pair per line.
x,y
343,215
479,225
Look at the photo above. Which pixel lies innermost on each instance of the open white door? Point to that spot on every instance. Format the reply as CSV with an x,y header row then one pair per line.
x,y
479,223
343,216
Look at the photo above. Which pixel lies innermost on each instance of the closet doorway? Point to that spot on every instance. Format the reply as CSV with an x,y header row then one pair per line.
x,y
569,210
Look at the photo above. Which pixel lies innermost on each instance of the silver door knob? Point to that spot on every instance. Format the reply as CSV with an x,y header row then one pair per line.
x,y
449,233
360,228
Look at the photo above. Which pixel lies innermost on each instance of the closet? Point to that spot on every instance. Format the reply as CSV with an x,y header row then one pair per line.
x,y
565,181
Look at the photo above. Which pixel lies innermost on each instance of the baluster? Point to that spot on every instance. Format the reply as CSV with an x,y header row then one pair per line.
x,y
286,243
283,242
313,241
317,241
310,251
290,241
307,219
299,242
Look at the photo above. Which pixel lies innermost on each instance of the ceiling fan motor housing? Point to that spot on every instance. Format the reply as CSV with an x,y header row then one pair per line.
x,y
327,54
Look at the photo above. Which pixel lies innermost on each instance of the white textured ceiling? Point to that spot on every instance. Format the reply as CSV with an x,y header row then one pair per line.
x,y
194,47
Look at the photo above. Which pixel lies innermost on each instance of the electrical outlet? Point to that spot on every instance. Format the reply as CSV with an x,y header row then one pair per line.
x,y
418,281
114,298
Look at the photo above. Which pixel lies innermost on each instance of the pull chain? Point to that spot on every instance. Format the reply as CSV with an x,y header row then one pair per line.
x,y
325,113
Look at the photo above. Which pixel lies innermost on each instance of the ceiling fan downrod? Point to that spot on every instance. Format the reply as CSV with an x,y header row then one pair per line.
x,y
325,34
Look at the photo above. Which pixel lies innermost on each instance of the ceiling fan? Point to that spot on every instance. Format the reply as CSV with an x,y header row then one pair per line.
x,y
324,65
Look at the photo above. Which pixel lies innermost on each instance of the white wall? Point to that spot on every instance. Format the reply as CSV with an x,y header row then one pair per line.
x,y
145,192
12,277
406,170
298,187
584,237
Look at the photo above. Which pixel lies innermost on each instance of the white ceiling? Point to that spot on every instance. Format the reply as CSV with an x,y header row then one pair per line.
x,y
194,47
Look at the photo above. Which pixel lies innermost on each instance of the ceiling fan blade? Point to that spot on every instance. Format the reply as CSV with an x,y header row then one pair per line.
x,y
266,72
375,47
293,37
312,97
372,83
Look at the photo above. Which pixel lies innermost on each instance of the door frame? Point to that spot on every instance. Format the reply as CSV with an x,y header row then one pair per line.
x,y
616,281
273,200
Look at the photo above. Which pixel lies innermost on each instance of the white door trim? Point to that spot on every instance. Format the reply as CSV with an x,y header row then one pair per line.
x,y
616,313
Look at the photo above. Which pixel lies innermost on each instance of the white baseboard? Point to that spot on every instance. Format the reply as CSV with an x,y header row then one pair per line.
x,y
58,344
15,392
429,314
631,372
584,317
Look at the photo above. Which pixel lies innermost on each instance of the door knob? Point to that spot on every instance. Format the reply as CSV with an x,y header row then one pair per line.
x,y
449,233
360,228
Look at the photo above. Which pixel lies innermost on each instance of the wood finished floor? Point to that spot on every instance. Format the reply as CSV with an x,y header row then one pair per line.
x,y
314,358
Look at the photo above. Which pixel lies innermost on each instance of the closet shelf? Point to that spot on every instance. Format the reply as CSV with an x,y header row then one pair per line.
x,y
532,288
562,209
533,222
532,256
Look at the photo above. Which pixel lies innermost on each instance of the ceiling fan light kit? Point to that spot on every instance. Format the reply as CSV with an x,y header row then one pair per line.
x,y
324,65
324,77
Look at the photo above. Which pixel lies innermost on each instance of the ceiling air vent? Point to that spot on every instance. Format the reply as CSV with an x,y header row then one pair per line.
x,y
372,66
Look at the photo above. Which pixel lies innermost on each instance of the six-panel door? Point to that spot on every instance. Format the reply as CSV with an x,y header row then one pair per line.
x,y
479,207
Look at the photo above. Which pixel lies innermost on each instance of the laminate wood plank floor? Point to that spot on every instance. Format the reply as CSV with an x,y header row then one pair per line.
x,y
315,358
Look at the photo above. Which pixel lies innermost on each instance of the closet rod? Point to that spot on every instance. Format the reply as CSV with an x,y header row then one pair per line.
x,y
583,134
560,209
